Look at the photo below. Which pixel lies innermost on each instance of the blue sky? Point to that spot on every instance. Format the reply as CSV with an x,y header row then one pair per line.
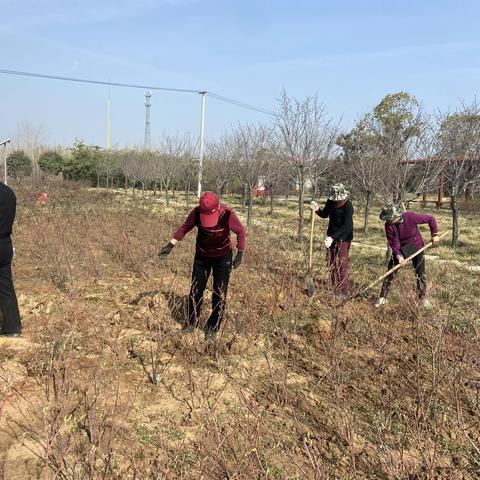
x,y
350,52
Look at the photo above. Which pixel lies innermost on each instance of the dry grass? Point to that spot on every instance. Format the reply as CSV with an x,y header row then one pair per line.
x,y
104,385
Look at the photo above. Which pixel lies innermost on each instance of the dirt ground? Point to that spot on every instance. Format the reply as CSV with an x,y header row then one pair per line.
x,y
104,385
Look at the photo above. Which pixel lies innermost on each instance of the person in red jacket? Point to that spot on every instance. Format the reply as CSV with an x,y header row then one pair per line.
x,y
214,222
404,239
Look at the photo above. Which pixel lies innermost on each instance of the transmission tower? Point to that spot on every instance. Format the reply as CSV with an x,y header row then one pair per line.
x,y
148,104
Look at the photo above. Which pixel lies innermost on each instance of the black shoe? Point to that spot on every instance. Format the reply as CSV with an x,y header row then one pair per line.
x,y
11,334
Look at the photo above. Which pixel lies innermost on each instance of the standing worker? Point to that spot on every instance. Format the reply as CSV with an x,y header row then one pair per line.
x,y
11,326
214,221
404,239
339,210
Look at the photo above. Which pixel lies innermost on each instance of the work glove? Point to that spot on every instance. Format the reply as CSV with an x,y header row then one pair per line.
x,y
435,239
314,206
238,259
401,260
328,242
165,251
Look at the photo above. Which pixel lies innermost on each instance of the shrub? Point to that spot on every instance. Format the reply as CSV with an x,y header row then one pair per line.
x,y
19,164
51,162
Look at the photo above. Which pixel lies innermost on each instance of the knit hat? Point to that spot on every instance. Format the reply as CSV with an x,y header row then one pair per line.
x,y
390,211
338,192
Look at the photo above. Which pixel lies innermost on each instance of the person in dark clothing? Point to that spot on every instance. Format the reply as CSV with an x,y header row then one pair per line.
x,y
339,210
11,325
214,222
404,239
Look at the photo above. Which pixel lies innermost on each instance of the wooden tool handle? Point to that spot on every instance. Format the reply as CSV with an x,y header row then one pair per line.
x,y
396,267
310,258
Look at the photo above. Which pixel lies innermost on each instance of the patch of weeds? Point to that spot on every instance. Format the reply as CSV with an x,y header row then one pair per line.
x,y
145,435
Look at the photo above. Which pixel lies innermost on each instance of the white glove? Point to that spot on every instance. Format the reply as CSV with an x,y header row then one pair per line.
x,y
401,260
314,206
328,242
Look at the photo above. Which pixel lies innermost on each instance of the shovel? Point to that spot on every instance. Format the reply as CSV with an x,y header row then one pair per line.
x,y
385,275
310,284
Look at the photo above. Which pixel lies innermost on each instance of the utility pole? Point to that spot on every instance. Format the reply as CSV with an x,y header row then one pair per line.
x,y
202,143
4,144
108,119
148,104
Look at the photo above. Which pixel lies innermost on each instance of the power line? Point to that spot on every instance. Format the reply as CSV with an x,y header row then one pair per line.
x,y
239,104
96,82
143,87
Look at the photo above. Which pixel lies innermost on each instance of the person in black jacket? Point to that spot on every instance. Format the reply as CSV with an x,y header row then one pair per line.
x,y
10,323
339,210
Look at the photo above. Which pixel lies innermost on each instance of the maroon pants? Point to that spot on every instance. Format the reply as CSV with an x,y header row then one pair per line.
x,y
337,260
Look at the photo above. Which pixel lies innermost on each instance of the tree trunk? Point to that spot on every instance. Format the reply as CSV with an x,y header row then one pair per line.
x,y
368,199
315,192
167,196
243,199
143,189
287,194
272,201
187,193
155,187
98,180
250,206
126,186
454,207
301,184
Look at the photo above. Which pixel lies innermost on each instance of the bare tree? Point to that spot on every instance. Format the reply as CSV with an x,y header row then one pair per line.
x,y
278,172
144,160
460,144
308,139
108,165
128,161
219,165
32,140
171,149
363,161
251,145
188,168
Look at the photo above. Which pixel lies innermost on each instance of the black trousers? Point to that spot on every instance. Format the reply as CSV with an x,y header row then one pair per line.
x,y
8,299
202,267
418,264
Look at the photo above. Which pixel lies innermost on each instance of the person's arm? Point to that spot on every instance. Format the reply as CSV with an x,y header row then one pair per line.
x,y
185,227
236,226
392,240
347,224
325,211
425,218
182,230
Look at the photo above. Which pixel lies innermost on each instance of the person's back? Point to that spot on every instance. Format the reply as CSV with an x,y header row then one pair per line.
x,y
8,206
10,324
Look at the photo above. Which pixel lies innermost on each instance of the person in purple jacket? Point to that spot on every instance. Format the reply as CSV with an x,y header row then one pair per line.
x,y
214,221
404,239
